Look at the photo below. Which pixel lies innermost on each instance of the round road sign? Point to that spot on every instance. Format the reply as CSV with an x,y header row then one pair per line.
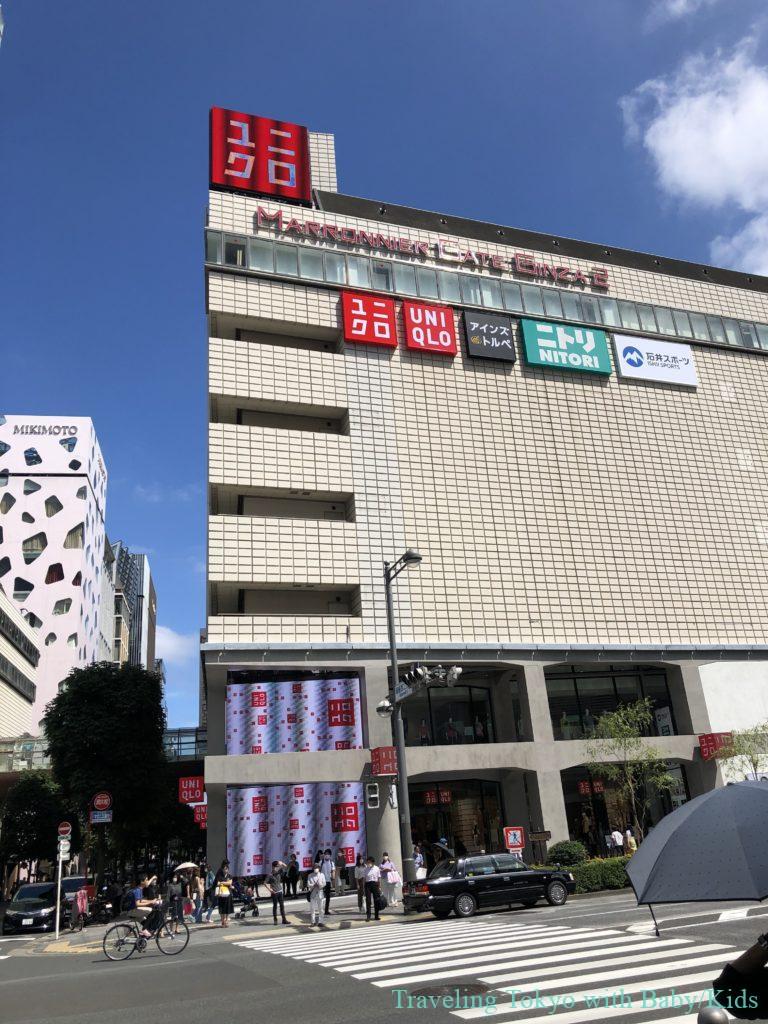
x,y
65,828
102,801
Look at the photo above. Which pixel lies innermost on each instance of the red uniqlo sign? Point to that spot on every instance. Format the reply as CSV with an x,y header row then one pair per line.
x,y
369,319
259,805
514,837
345,817
383,761
257,154
201,813
341,712
584,787
191,789
259,699
711,742
429,328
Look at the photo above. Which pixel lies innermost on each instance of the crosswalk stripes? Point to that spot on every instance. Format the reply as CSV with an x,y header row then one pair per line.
x,y
588,974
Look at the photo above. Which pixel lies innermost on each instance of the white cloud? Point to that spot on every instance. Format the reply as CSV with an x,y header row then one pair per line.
x,y
176,648
672,10
748,248
704,126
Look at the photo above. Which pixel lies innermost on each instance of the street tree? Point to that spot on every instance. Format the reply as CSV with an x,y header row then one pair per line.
x,y
619,753
105,732
31,815
745,755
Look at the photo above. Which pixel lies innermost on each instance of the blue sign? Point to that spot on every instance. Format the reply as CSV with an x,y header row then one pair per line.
x,y
633,356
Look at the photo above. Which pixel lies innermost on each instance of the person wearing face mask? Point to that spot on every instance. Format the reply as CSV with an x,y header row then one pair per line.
x,y
329,871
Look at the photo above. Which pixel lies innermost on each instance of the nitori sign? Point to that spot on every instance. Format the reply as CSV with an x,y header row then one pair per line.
x,y
565,347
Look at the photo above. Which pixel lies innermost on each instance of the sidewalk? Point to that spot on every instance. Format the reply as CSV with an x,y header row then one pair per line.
x,y
344,914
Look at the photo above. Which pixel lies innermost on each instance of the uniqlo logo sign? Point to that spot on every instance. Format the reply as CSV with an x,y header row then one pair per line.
x,y
383,761
201,813
258,154
259,804
258,699
290,718
711,742
348,853
293,824
429,328
345,817
369,319
341,711
298,791
191,789
262,719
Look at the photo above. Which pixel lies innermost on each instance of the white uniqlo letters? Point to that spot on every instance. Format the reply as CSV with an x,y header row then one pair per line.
x,y
288,167
244,140
379,319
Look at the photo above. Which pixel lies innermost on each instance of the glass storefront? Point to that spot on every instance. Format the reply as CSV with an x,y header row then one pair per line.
x,y
579,694
594,807
448,715
465,812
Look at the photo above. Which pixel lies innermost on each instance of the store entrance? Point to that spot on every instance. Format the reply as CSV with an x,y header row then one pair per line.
x,y
467,813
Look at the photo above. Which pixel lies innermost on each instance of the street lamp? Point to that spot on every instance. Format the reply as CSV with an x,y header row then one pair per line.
x,y
391,570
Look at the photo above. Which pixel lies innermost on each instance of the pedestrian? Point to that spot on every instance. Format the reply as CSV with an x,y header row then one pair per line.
x,y
617,841
742,987
360,881
149,886
210,893
292,875
198,893
418,862
389,879
176,900
328,869
341,871
274,884
316,888
224,884
372,890
630,843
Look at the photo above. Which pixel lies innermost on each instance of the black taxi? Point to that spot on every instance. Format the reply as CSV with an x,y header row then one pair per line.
x,y
467,884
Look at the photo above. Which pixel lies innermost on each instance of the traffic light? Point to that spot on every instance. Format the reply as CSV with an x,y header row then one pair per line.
x,y
372,796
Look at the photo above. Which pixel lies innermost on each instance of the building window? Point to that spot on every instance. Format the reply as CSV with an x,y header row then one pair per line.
x,y
470,290
32,457
552,304
7,503
682,323
33,547
609,312
212,247
311,264
235,248
579,695
405,279
55,573
513,299
445,716
491,292
427,281
22,589
335,268
30,487
261,255
286,260
75,537
52,506
532,299
468,813
449,286
62,607
359,271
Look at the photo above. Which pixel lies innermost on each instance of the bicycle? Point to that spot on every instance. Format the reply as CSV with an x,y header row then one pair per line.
x,y
124,939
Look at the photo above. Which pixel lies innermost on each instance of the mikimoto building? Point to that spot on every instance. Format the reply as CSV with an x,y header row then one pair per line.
x,y
572,436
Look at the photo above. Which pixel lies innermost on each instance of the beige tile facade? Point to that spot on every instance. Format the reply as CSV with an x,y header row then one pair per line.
x,y
549,506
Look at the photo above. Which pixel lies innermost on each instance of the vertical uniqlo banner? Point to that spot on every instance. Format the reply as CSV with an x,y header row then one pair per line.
x,y
266,823
191,789
275,718
258,154
368,319
201,814
429,328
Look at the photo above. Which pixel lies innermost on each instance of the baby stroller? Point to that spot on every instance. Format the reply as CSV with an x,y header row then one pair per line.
x,y
249,903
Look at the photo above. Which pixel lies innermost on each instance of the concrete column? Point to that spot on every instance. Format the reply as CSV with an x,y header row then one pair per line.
x,y
702,776
688,701
217,825
548,805
516,806
376,688
506,727
538,715
382,830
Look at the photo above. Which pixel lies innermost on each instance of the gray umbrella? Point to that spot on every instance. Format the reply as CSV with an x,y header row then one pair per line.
x,y
711,848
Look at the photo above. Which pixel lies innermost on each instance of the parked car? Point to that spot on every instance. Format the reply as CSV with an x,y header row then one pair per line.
x,y
33,909
467,884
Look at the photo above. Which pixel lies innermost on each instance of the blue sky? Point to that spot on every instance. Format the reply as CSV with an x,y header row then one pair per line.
x,y
641,124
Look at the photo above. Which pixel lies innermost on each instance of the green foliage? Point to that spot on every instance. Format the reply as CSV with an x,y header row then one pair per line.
x,y
570,851
620,754
31,815
105,731
746,755
601,873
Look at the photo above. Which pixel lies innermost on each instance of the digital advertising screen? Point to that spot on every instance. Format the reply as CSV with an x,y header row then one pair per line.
x,y
266,823
287,716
